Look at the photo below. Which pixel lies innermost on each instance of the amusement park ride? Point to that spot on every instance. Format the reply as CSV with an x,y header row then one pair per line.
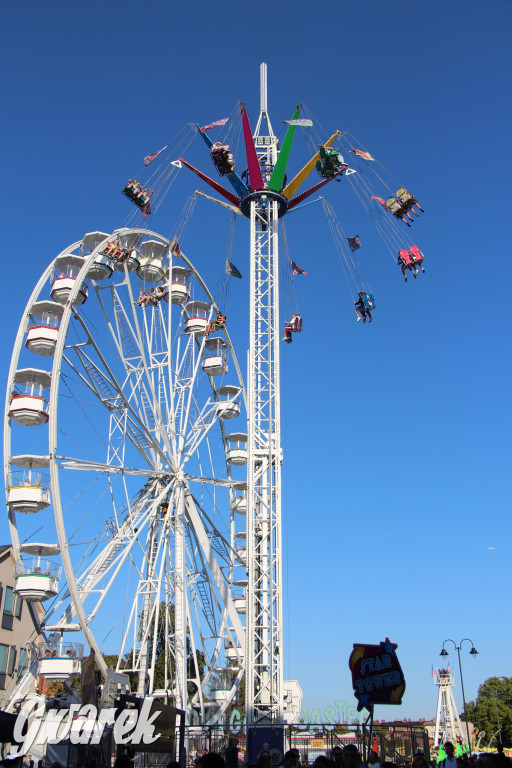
x,y
448,727
168,520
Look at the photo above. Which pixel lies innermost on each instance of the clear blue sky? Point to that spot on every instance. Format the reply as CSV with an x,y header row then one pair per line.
x,y
397,435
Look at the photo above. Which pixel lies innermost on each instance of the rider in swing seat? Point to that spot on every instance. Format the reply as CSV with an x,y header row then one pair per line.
x,y
405,261
409,202
292,326
222,158
398,210
417,257
360,307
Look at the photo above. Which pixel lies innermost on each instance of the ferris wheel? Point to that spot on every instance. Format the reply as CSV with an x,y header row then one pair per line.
x,y
125,475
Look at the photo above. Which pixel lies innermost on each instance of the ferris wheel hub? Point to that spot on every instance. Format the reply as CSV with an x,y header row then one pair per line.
x,y
282,202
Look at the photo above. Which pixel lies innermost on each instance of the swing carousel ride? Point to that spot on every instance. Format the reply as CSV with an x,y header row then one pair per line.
x,y
142,510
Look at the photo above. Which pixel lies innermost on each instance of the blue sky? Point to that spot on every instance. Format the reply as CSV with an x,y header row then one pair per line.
x,y
396,436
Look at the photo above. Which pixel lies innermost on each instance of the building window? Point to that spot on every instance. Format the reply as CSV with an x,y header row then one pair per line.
x,y
4,657
7,615
18,607
12,660
23,662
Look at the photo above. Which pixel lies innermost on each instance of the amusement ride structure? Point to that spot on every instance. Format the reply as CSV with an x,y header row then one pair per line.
x,y
448,727
167,521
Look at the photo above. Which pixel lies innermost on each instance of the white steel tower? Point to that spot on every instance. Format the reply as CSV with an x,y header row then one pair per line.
x,y
264,630
448,726
263,195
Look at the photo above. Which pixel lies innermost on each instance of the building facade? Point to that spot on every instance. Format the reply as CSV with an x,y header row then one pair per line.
x,y
19,627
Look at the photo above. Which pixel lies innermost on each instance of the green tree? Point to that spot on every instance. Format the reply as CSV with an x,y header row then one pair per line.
x,y
493,704
159,680
159,640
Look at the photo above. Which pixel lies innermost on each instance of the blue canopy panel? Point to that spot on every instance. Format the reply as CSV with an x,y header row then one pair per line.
x,y
233,178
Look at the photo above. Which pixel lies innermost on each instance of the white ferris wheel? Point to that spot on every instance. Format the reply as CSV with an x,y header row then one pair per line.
x,y
121,455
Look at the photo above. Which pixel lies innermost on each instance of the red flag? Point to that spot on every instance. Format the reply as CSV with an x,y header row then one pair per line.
x,y
296,270
214,125
149,158
381,201
175,247
364,155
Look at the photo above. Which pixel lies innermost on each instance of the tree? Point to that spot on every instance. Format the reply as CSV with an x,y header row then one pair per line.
x,y
493,709
159,640
159,679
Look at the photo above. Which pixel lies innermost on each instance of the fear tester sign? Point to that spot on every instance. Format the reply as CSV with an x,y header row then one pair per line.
x,y
377,676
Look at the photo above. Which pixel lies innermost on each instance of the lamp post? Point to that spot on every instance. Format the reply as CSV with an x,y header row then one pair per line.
x,y
473,652
497,716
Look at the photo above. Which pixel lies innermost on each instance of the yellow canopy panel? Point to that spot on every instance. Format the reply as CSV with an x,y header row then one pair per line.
x,y
295,183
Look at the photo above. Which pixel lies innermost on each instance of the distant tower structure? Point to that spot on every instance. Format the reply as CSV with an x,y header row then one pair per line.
x,y
448,726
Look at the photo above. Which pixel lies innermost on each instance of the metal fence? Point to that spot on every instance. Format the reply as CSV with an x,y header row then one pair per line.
x,y
394,742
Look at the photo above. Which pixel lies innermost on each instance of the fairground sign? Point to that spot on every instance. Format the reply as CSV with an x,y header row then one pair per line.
x,y
329,717
377,676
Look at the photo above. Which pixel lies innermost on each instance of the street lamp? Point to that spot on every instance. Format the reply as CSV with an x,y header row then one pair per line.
x,y
497,716
473,652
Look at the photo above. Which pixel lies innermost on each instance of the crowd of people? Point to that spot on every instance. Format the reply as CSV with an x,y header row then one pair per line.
x,y
349,756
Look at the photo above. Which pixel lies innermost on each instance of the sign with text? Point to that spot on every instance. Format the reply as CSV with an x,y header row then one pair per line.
x,y
377,676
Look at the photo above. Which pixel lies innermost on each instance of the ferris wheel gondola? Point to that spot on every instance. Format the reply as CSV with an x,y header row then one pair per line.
x,y
130,469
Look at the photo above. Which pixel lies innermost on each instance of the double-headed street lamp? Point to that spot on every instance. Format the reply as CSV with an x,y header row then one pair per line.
x,y
473,652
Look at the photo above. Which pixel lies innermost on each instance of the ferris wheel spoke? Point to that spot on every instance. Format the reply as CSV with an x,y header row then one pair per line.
x,y
143,393
192,409
185,376
128,544
148,592
137,431
200,650
217,540
197,696
204,421
200,587
68,462
147,350
212,661
228,483
110,560
220,582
